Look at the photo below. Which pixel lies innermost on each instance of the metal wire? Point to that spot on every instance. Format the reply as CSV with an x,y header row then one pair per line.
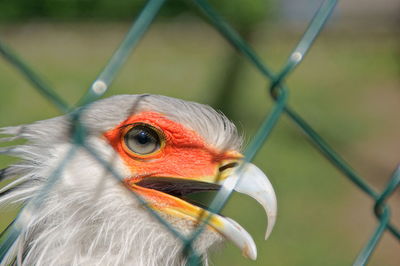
x,y
279,93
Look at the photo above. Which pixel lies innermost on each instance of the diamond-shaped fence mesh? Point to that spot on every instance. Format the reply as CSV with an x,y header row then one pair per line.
x,y
278,90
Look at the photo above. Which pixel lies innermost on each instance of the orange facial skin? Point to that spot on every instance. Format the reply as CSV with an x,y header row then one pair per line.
x,y
183,154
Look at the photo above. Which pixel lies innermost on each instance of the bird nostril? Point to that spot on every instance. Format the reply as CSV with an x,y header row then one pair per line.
x,y
227,166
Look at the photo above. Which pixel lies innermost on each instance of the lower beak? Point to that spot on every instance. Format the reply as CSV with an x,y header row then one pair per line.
x,y
247,179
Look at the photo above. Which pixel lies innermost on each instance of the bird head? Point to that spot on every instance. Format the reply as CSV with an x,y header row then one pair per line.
x,y
159,148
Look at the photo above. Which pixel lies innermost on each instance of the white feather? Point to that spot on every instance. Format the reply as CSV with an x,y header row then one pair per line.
x,y
88,217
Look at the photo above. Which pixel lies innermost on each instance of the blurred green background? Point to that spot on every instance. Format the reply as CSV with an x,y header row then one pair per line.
x,y
348,88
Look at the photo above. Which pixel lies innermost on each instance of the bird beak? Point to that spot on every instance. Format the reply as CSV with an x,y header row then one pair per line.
x,y
250,180
247,179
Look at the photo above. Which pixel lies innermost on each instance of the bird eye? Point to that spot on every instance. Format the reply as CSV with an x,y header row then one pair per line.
x,y
142,140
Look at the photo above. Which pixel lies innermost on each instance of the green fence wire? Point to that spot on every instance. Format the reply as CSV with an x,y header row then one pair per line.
x,y
279,92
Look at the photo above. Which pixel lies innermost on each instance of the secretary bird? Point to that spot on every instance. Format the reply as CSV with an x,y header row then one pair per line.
x,y
162,149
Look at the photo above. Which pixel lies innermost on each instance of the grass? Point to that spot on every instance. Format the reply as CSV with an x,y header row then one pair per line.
x,y
346,88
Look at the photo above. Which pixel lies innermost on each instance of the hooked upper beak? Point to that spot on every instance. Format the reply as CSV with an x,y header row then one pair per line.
x,y
247,179
250,180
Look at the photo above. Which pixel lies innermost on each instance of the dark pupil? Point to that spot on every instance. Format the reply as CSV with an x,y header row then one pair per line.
x,y
143,137
142,140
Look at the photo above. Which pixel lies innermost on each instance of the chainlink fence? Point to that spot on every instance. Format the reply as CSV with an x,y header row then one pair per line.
x,y
278,90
